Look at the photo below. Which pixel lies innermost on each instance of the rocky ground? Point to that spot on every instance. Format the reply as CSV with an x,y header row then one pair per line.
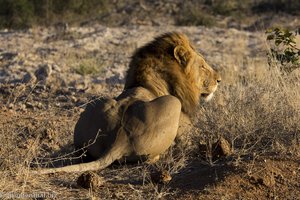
x,y
94,59
48,75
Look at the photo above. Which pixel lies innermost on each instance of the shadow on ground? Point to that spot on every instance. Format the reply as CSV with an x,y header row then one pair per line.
x,y
198,175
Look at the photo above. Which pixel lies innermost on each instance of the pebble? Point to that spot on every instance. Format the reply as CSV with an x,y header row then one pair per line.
x,y
43,72
11,106
160,177
90,180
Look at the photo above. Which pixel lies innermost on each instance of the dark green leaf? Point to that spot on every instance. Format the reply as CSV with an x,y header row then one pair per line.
x,y
278,42
270,37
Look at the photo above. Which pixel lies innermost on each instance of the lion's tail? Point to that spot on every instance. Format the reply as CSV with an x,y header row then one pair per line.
x,y
116,152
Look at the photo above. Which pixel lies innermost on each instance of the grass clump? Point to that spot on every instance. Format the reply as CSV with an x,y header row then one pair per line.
x,y
88,67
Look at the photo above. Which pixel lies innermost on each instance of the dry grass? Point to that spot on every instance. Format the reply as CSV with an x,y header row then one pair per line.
x,y
256,109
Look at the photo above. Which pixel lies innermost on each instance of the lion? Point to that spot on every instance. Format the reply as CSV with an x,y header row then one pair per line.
x,y
165,82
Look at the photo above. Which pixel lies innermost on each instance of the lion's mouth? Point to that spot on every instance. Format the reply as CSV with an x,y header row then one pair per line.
x,y
207,96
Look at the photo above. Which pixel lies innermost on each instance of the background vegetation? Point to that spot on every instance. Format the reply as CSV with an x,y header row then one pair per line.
x,y
27,13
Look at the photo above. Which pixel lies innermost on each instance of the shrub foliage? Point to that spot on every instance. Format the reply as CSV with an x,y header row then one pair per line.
x,y
283,49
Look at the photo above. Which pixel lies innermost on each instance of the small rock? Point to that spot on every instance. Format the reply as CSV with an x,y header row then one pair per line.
x,y
22,107
62,98
221,148
29,105
73,99
89,180
56,68
11,106
39,105
217,150
43,72
162,177
7,56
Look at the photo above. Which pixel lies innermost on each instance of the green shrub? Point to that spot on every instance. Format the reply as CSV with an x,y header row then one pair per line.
x,y
283,49
88,67
16,13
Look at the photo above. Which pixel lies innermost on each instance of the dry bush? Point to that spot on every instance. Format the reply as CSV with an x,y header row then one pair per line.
x,y
257,110
28,135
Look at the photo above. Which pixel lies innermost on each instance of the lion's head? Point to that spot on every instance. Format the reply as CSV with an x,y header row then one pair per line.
x,y
171,65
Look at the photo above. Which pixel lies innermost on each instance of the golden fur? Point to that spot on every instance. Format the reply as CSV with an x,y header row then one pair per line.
x,y
170,66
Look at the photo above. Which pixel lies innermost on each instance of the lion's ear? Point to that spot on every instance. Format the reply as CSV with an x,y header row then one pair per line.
x,y
182,55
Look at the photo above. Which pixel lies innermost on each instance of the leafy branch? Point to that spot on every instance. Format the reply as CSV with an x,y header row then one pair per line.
x,y
283,49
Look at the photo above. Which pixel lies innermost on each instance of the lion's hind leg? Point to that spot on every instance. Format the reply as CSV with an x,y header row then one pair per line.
x,y
152,126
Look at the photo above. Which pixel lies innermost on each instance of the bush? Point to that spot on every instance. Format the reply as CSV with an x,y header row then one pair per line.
x,y
286,6
283,49
17,13
25,13
88,67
